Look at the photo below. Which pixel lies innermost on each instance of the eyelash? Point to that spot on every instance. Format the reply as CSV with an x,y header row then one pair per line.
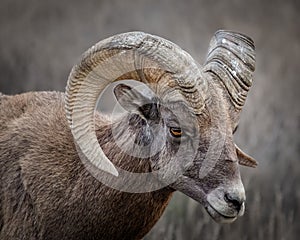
x,y
175,132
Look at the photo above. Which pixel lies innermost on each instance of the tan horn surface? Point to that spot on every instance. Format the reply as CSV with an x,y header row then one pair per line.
x,y
231,58
136,55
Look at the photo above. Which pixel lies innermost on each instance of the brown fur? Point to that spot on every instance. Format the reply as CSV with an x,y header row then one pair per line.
x,y
45,190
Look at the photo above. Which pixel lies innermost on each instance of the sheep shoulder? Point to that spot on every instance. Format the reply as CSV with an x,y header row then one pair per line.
x,y
31,129
45,189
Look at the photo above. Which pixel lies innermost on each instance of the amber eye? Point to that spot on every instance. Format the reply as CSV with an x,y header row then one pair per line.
x,y
176,132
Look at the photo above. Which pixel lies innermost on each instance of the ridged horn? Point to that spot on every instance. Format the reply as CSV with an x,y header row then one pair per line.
x,y
231,63
165,67
231,58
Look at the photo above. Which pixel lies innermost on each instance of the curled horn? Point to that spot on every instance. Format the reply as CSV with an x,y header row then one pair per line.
x,y
165,67
231,59
231,63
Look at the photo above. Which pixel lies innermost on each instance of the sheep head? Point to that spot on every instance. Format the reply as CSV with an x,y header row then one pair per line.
x,y
186,123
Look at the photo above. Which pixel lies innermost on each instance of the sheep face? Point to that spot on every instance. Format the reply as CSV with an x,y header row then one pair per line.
x,y
196,152
184,129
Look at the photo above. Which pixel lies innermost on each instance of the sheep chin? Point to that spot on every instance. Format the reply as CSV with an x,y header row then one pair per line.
x,y
218,217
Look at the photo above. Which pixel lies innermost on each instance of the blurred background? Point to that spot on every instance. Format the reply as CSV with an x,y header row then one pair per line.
x,y
40,41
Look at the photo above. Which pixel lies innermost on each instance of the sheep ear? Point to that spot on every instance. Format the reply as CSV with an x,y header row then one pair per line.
x,y
134,101
245,159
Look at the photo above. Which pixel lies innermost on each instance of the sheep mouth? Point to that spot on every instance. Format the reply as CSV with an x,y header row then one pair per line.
x,y
218,216
190,187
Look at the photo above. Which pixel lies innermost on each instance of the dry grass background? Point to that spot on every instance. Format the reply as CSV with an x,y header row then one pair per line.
x,y
40,40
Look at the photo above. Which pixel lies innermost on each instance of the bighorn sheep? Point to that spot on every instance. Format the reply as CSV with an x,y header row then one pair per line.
x,y
52,167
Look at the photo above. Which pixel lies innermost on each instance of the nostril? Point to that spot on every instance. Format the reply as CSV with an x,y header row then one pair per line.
x,y
234,201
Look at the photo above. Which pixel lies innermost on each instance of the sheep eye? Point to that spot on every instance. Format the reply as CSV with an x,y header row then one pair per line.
x,y
175,132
